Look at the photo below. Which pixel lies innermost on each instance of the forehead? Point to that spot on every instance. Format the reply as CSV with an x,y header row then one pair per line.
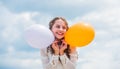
x,y
60,22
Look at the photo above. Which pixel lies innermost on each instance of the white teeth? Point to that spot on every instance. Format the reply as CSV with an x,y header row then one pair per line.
x,y
59,33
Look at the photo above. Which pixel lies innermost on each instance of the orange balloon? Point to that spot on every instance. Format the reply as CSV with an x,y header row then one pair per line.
x,y
80,34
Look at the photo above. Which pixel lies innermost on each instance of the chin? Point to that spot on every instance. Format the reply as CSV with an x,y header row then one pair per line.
x,y
60,38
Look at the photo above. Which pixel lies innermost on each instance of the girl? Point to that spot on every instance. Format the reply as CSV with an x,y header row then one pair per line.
x,y
59,55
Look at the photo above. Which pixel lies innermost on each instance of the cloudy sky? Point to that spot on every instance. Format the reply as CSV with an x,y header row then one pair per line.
x,y
17,15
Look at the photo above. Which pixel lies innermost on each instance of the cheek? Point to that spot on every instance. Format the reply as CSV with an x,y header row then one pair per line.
x,y
53,31
65,31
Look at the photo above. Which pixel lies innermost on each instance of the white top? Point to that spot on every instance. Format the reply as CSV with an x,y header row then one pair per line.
x,y
51,61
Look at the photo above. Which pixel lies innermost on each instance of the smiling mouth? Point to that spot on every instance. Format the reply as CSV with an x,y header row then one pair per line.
x,y
59,33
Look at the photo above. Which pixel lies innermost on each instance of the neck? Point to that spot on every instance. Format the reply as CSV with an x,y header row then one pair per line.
x,y
59,39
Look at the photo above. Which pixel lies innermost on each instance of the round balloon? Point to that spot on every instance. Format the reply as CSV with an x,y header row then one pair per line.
x,y
38,36
80,34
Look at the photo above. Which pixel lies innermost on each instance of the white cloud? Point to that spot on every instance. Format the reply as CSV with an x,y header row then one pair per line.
x,y
11,49
10,34
108,16
21,60
97,59
22,63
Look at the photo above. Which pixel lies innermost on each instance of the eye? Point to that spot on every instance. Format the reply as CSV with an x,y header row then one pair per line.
x,y
64,27
58,26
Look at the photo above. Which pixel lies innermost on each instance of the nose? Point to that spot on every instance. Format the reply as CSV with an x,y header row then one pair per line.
x,y
61,29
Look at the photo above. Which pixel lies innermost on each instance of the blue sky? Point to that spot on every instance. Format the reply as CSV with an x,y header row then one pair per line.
x,y
17,15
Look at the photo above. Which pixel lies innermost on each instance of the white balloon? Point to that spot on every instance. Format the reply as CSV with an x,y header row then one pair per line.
x,y
38,36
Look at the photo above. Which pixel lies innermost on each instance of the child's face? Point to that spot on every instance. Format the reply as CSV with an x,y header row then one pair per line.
x,y
59,28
